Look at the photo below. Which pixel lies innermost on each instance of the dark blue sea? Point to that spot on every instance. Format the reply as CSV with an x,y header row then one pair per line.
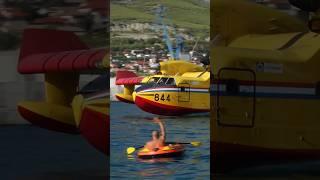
x,y
32,153
131,126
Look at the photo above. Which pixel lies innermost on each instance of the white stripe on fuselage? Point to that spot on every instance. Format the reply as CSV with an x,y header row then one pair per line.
x,y
174,90
269,89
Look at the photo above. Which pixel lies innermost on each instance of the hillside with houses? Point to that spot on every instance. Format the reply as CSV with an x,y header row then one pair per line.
x,y
81,16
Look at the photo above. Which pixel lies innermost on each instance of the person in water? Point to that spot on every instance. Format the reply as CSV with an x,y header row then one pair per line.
x,y
158,138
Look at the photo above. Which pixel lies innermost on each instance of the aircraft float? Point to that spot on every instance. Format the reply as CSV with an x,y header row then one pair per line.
x,y
265,84
61,56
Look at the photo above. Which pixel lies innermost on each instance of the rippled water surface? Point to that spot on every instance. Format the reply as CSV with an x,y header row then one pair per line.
x,y
131,127
32,153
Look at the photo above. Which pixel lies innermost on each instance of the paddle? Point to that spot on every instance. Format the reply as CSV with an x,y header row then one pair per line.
x,y
193,143
131,150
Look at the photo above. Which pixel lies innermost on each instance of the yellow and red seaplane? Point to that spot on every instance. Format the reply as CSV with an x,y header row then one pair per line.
x,y
62,57
265,90
181,88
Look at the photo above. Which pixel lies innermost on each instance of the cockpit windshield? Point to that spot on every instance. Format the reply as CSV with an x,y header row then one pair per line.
x,y
153,80
171,81
162,81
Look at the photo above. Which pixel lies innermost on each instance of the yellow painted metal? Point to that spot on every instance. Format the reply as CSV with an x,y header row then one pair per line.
x,y
59,113
199,101
178,67
253,34
279,124
127,93
60,88
100,105
126,97
195,79
230,19
185,99
106,61
77,106
127,90
186,75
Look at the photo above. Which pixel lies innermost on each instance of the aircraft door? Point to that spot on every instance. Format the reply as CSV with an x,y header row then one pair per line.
x,y
235,99
184,92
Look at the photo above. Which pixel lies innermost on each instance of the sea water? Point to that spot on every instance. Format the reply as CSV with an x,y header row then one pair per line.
x,y
32,153
130,126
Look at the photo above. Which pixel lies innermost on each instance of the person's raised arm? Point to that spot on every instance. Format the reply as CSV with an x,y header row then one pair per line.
x,y
162,128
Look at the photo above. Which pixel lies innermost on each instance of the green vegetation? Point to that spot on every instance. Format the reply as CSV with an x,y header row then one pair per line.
x,y
192,15
96,39
120,44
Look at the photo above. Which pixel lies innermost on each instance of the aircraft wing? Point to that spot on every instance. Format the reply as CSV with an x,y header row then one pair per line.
x,y
46,50
127,78
61,56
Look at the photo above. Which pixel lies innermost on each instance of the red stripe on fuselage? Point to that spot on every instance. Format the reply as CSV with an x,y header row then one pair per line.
x,y
166,110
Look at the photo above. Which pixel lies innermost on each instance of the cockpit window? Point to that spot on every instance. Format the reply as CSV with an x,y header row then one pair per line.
x,y
153,80
170,81
162,81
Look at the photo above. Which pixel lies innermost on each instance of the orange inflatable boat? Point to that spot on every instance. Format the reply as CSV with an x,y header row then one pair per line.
x,y
170,150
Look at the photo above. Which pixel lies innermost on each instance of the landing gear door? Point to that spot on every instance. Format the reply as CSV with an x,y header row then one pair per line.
x,y
235,100
184,92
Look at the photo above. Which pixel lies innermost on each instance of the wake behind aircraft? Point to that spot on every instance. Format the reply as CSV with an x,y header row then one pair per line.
x,y
61,56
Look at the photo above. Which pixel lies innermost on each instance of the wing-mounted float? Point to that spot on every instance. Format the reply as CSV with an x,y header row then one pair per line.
x,y
265,90
128,79
61,56
180,88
